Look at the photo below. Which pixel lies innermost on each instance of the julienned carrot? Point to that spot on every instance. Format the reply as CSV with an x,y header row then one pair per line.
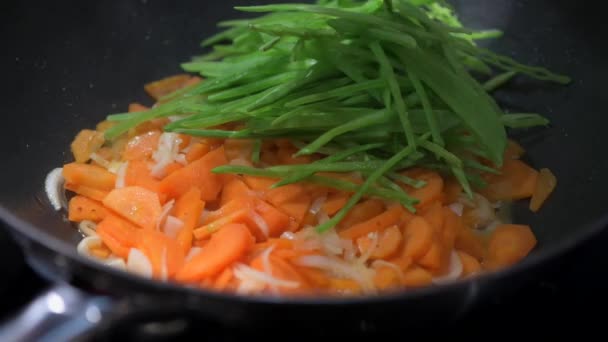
x,y
281,270
89,176
433,214
418,237
234,189
118,234
138,174
240,216
197,174
237,204
393,215
314,276
227,246
172,168
164,253
82,208
188,209
85,143
387,245
436,258
222,281
88,192
197,151
139,205
545,185
362,212
166,86
470,265
508,245
387,278
417,277
433,189
517,181
141,147
275,220
470,242
335,202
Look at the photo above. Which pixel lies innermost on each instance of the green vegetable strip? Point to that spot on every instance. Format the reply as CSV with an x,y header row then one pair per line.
x,y
498,81
396,91
431,117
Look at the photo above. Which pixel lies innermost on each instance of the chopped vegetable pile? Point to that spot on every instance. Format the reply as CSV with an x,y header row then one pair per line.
x,y
346,147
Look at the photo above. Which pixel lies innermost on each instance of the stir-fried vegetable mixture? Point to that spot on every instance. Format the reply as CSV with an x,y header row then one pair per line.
x,y
344,147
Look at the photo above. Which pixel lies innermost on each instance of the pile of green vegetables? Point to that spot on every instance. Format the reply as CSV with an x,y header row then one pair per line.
x,y
374,86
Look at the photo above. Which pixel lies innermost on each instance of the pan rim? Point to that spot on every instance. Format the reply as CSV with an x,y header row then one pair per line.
x,y
60,247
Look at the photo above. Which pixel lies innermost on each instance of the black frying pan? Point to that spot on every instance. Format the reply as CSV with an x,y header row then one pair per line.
x,y
68,64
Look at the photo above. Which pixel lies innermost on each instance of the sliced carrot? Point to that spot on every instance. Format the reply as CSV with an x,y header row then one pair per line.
x,y
238,149
234,189
516,181
186,140
173,167
344,286
276,221
104,126
188,209
362,212
451,225
118,234
285,154
508,245
470,265
222,281
227,246
433,214
315,277
281,270
141,147
276,244
544,187
335,202
82,208
100,252
388,244
233,206
436,259
197,174
197,151
138,174
89,176
390,217
136,107
402,261
238,217
118,147
259,184
164,253
514,150
139,205
85,143
92,193
386,278
417,277
451,191
104,153
166,86
433,189
418,236
470,242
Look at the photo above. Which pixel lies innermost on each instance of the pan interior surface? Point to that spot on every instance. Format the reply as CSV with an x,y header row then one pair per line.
x,y
70,64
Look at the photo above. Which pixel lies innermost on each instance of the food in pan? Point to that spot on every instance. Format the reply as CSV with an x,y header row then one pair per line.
x,y
345,147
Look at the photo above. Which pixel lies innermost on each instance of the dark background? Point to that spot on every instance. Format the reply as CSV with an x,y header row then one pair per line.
x,y
61,56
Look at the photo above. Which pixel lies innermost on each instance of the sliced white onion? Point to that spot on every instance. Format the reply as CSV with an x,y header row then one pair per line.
x,y
172,226
288,235
116,262
249,286
138,263
114,166
354,271
85,245
99,160
322,217
203,216
121,176
164,213
53,185
166,153
164,272
88,228
457,208
383,263
181,158
454,272
244,272
268,268
373,236
317,204
194,251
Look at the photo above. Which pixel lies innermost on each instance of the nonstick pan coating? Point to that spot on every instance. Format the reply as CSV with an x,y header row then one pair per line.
x,y
68,64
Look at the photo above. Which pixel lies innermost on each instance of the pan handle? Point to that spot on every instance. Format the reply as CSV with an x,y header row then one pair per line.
x,y
61,313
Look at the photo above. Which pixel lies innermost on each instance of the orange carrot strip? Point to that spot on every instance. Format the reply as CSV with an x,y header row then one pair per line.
x,y
197,151
197,174
89,176
433,189
241,216
451,191
141,147
166,86
436,259
139,205
386,278
82,208
417,277
344,286
315,277
451,225
118,234
259,184
222,281
276,221
362,212
517,181
544,187
390,217
335,202
418,237
508,245
234,189
92,193
470,242
227,246
188,209
514,150
164,253
433,214
138,174
85,143
135,107
172,168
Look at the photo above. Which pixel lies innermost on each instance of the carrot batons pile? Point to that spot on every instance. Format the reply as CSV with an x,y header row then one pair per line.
x,y
167,216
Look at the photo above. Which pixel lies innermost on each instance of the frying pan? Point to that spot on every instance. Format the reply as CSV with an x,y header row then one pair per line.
x,y
68,64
